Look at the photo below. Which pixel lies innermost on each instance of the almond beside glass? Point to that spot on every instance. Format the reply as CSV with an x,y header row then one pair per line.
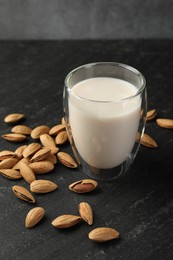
x,y
48,141
165,123
67,160
56,129
66,221
83,186
103,234
13,118
34,216
148,141
151,114
61,138
39,130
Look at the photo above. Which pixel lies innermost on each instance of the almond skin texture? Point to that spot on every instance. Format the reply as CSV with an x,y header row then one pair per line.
x,y
61,138
66,160
16,138
17,165
39,130
165,123
19,151
151,114
52,158
13,118
66,221
34,216
27,173
11,174
42,167
6,154
41,155
103,234
83,186
31,149
21,129
147,141
8,163
86,212
48,141
42,186
23,194
56,129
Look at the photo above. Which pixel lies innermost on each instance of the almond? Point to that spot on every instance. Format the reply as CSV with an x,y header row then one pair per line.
x,y
8,163
42,186
34,216
23,194
39,130
13,118
41,155
147,141
11,174
17,165
66,221
6,154
86,212
41,167
48,141
66,160
31,149
165,123
14,137
83,186
19,151
61,138
52,158
103,234
56,129
151,114
27,172
21,129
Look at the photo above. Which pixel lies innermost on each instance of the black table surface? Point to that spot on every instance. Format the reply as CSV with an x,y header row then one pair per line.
x,y
139,206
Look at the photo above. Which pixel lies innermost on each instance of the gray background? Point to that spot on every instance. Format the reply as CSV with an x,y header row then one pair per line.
x,y
86,19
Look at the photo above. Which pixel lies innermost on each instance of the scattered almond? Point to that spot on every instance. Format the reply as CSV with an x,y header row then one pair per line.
x,y
39,130
86,212
17,165
56,129
66,160
21,129
23,194
31,149
165,123
6,154
27,172
41,155
48,141
11,174
83,186
148,141
34,216
61,138
52,158
14,137
8,163
19,151
66,221
103,234
151,114
42,186
41,167
13,118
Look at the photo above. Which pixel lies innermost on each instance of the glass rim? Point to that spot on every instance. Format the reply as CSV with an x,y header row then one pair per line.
x,y
135,71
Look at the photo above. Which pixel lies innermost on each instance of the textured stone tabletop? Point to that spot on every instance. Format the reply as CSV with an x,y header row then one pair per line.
x,y
139,206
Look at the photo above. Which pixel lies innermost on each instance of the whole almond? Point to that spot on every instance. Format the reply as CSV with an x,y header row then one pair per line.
x,y
27,173
66,221
13,118
83,186
151,114
6,154
86,212
14,137
11,174
34,216
21,129
42,186
19,151
41,155
23,194
56,129
48,141
66,160
39,130
52,158
41,167
8,163
17,165
61,138
165,123
31,149
103,234
148,141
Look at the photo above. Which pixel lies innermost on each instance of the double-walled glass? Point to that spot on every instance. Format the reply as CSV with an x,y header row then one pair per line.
x,y
105,135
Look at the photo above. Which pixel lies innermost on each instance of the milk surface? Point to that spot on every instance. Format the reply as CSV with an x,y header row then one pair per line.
x,y
103,125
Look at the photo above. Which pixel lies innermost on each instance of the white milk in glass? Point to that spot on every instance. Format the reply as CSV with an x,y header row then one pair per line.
x,y
103,126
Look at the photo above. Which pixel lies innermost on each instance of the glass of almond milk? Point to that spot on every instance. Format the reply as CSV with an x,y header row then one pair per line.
x,y
105,109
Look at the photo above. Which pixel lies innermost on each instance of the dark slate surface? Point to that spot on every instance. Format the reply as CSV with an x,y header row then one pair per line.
x,y
139,206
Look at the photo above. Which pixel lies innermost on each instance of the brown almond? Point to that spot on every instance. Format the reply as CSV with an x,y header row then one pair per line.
x,y
86,212
61,138
151,114
42,186
83,186
34,216
8,163
66,160
27,173
56,129
11,174
19,151
41,167
103,234
165,123
21,129
39,130
6,154
31,149
52,158
48,141
14,137
41,155
23,194
13,118
17,165
66,221
148,141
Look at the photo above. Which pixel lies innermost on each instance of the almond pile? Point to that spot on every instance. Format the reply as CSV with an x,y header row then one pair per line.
x,y
40,157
